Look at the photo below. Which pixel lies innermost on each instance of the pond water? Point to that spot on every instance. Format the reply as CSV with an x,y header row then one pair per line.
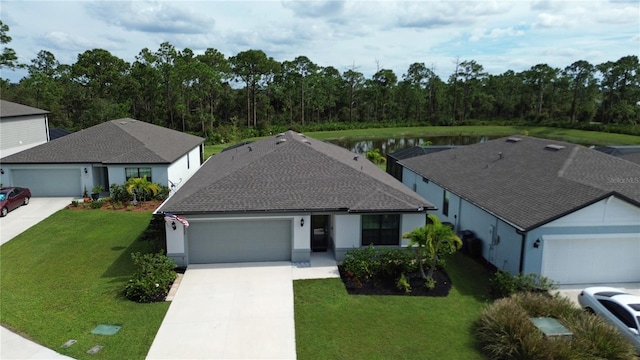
x,y
390,145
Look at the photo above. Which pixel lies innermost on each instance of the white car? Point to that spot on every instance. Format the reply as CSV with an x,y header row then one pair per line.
x,y
617,307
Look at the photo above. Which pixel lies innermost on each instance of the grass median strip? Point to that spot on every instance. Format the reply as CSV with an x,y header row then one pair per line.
x,y
65,275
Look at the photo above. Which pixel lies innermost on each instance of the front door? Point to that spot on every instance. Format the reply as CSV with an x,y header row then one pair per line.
x,y
319,232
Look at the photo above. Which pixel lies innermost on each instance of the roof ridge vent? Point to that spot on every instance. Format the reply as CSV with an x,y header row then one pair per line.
x,y
554,147
513,139
280,141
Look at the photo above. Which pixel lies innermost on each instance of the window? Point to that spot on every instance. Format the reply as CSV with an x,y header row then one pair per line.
x,y
445,203
618,311
380,229
137,173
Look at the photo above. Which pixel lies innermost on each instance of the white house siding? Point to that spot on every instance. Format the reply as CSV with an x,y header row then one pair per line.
x,y
347,234
409,222
501,243
182,169
21,133
610,221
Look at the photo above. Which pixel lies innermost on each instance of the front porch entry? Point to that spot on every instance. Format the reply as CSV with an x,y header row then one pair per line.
x,y
320,232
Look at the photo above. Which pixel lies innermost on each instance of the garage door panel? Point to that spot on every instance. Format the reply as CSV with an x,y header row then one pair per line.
x,y
606,259
49,182
239,241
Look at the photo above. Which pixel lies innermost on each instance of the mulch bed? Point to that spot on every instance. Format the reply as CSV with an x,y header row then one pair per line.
x,y
149,205
371,287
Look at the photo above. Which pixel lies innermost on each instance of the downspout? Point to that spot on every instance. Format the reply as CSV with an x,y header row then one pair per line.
x,y
522,243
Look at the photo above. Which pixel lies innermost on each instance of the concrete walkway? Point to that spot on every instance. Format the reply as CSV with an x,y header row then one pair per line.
x,y
12,345
236,311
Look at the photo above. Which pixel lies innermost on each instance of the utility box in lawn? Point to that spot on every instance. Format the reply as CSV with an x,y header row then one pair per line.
x,y
552,328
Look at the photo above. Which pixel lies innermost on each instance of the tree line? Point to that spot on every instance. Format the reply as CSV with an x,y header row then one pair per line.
x,y
201,93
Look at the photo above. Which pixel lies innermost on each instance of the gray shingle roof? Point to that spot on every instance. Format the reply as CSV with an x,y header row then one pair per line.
x,y
122,141
297,174
9,109
526,184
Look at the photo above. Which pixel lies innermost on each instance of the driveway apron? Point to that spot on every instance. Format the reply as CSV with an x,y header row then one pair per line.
x,y
230,311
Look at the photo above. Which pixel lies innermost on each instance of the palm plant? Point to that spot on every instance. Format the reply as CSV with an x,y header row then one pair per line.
x,y
432,241
142,187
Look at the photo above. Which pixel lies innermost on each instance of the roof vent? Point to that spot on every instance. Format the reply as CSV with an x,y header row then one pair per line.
x,y
303,135
306,142
250,149
513,140
280,141
355,158
280,135
553,147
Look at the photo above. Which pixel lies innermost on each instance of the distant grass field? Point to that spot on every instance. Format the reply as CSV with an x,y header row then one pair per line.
x,y
568,135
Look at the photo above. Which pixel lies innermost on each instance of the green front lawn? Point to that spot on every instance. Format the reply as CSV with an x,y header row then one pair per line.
x,y
64,276
331,324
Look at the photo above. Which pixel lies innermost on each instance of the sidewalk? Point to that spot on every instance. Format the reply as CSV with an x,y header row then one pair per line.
x,y
14,346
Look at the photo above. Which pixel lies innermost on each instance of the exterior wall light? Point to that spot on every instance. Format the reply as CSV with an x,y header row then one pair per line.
x,y
2,171
536,244
173,225
301,221
85,171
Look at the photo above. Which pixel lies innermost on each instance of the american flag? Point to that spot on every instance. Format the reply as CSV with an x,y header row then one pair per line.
x,y
168,217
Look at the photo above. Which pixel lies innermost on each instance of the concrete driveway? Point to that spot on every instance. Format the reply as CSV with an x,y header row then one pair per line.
x,y
572,291
25,217
230,311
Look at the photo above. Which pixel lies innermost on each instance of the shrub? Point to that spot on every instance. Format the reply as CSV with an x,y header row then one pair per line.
x,y
74,203
503,284
429,283
152,279
97,204
382,264
403,284
505,331
118,193
359,262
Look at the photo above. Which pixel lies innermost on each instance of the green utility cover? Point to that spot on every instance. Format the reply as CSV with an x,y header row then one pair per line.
x,y
104,329
551,327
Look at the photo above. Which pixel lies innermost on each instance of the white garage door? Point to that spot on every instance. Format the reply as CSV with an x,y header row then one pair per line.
x,y
239,241
608,258
49,182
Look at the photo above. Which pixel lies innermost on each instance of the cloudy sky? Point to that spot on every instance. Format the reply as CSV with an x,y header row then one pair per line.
x,y
365,35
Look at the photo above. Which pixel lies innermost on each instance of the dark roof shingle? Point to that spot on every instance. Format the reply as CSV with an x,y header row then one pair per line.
x,y
526,183
11,109
122,141
290,172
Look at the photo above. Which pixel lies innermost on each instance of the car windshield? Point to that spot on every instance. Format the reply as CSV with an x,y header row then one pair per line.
x,y
3,196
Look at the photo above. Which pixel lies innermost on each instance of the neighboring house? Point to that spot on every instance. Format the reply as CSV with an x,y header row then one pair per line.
x,y
561,210
627,152
395,169
280,198
21,127
105,154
